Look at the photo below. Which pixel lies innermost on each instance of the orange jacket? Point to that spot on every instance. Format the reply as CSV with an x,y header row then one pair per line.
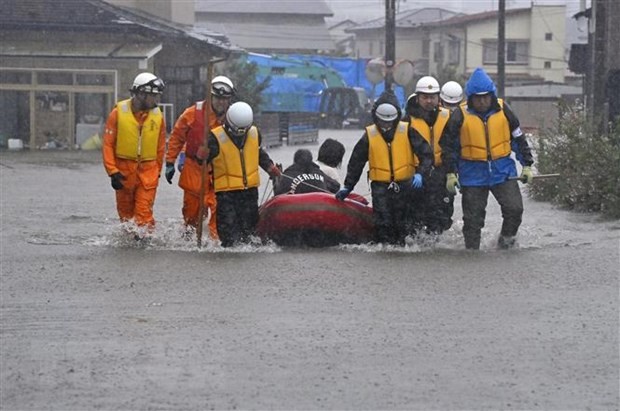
x,y
185,125
148,171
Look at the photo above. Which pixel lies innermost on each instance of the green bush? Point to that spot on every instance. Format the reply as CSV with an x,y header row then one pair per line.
x,y
588,161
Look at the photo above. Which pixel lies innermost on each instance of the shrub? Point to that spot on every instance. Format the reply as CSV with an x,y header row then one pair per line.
x,y
588,161
244,77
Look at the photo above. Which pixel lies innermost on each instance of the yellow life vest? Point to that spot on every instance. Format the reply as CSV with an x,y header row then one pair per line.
x,y
230,171
482,141
393,162
432,135
135,142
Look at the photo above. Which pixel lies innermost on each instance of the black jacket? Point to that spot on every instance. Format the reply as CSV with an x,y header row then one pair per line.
x,y
304,178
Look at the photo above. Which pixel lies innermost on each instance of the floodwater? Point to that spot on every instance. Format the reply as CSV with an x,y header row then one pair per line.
x,y
90,320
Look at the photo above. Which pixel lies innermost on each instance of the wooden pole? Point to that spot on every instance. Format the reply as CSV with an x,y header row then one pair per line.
x,y
204,166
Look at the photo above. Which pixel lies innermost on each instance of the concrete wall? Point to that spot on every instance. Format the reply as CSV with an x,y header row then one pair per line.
x,y
538,114
548,19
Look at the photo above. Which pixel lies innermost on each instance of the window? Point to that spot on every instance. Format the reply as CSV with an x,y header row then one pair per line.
x,y
454,52
370,50
547,64
516,52
548,36
94,79
15,77
55,78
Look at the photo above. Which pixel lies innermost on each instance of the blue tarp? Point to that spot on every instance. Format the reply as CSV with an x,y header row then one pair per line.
x,y
286,94
298,88
353,72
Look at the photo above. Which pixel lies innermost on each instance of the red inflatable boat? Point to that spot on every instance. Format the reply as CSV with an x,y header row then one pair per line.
x,y
315,220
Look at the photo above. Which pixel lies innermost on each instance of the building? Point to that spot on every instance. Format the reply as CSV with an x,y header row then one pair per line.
x,y
434,38
270,27
535,49
345,41
64,64
412,40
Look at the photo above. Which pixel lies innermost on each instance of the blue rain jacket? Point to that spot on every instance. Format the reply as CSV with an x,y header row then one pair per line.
x,y
486,173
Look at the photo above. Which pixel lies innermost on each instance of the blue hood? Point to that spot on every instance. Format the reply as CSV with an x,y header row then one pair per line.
x,y
480,82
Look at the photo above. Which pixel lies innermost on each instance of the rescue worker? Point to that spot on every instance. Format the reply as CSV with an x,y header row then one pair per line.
x,y
388,145
304,176
451,95
134,142
330,158
432,206
476,148
235,151
186,139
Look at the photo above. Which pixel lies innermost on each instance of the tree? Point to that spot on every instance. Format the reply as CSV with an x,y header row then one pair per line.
x,y
244,77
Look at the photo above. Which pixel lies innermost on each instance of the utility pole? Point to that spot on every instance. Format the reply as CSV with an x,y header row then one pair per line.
x,y
390,41
501,48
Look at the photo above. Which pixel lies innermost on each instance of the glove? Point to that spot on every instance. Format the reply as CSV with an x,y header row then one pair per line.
x,y
181,161
526,175
274,171
417,181
202,154
343,193
117,180
452,183
169,172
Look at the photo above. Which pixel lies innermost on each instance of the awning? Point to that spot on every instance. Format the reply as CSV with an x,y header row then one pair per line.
x,y
138,51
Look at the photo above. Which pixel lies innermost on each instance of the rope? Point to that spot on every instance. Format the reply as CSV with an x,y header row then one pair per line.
x,y
262,200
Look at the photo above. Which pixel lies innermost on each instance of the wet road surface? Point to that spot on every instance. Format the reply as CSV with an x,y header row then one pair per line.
x,y
89,320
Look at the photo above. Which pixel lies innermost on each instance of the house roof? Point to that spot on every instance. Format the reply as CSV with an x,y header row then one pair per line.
x,y
98,16
273,36
73,49
346,23
314,7
409,18
485,15
263,25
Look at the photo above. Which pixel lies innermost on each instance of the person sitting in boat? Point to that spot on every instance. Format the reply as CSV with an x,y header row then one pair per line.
x,y
388,145
304,176
330,158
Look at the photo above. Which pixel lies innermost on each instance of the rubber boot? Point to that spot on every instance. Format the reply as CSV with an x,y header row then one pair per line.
x,y
472,241
506,242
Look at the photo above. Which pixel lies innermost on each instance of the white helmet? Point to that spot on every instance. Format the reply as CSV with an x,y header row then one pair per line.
x,y
451,92
148,83
239,117
427,85
386,112
221,86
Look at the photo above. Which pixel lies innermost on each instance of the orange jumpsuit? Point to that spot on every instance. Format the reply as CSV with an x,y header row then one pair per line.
x,y
188,133
135,200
